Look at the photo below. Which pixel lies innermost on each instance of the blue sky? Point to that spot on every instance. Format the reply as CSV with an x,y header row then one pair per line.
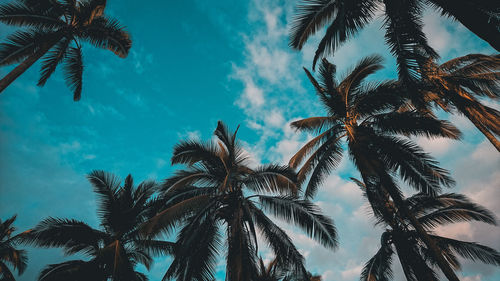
x,y
193,63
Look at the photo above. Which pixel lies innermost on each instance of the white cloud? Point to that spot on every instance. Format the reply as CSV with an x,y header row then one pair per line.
x,y
352,271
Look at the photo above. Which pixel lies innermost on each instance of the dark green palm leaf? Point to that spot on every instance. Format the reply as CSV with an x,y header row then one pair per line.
x,y
107,33
73,68
303,214
52,60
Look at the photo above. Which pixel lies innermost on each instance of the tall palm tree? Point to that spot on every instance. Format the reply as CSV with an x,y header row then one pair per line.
x,y
116,248
399,238
56,31
402,21
218,190
18,259
367,118
458,86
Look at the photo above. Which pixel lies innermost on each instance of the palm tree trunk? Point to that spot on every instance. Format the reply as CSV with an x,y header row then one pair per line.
x,y
474,20
27,63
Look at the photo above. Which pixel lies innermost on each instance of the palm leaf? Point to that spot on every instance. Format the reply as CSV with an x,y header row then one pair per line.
x,y
303,214
52,59
107,33
378,268
73,68
20,14
470,250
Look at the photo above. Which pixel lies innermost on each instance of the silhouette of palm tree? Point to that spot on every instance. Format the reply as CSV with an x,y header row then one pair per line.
x,y
402,22
116,248
401,239
219,190
370,119
56,31
18,259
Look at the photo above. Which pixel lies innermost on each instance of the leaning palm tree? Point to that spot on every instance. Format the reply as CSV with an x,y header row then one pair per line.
x,y
219,191
116,248
458,85
415,258
402,21
8,253
56,30
367,117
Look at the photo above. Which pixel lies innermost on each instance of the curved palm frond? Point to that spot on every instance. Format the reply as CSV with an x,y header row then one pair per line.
x,y
303,214
379,266
74,236
107,33
73,68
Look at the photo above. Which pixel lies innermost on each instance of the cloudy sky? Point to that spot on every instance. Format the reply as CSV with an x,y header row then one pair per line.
x,y
193,63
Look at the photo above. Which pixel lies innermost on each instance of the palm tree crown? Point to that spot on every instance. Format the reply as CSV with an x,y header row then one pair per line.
x,y
402,21
56,30
369,118
458,86
401,239
218,189
8,253
117,247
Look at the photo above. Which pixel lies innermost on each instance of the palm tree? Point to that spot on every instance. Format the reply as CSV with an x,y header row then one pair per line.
x,y
116,248
218,190
458,85
56,31
367,117
402,21
415,257
18,259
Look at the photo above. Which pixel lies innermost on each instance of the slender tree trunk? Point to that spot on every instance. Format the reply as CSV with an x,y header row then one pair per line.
x,y
22,67
476,21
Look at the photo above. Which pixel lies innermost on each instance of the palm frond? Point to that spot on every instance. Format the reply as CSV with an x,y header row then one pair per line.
x,y
310,16
20,14
272,178
469,250
412,123
309,146
72,235
107,33
351,16
415,167
21,44
458,212
406,39
314,124
323,165
73,270
73,68
52,60
364,68
373,98
303,214
378,268
165,220
198,243
192,151
285,251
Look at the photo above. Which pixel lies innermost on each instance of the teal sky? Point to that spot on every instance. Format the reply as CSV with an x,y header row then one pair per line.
x,y
193,63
